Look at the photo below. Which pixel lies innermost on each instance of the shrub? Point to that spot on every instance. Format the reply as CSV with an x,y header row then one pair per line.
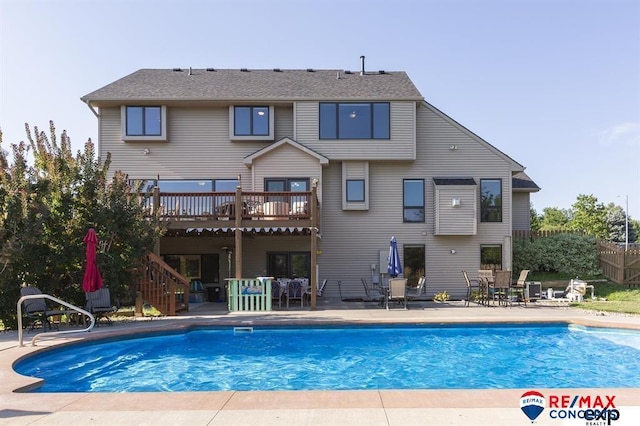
x,y
570,254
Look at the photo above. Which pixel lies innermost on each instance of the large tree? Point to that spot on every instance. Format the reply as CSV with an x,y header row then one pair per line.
x,y
589,216
554,219
46,210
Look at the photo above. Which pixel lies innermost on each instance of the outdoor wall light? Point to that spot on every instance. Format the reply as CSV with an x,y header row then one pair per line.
x,y
453,147
146,151
452,251
455,202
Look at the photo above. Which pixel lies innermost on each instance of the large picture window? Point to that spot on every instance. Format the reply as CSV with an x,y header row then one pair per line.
x,y
491,200
413,200
354,120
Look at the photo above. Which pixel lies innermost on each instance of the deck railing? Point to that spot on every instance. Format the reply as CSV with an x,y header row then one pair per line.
x,y
224,205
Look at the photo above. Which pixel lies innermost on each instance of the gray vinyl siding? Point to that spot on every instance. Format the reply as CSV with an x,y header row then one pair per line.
x,y
198,145
285,162
401,145
460,220
521,211
351,240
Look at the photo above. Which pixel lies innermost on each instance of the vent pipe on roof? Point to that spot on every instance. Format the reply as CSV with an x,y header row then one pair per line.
x,y
362,65
338,75
190,71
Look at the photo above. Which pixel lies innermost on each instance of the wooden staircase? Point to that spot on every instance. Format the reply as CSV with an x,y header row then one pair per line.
x,y
163,287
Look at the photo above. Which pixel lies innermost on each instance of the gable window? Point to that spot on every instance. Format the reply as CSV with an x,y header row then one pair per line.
x,y
143,122
491,200
354,120
355,190
251,122
413,200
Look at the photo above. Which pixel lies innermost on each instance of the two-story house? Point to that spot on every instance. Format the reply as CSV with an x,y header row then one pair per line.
x,y
278,172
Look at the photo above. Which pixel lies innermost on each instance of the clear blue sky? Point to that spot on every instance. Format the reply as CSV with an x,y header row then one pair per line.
x,y
555,84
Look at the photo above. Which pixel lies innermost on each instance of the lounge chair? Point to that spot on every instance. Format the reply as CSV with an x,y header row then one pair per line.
x,y
577,289
99,304
420,290
517,288
397,292
472,285
36,309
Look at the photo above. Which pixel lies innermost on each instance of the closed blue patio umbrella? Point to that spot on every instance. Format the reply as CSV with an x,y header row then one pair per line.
x,y
394,268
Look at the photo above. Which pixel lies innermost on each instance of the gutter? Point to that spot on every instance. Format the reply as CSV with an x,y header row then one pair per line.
x,y
91,108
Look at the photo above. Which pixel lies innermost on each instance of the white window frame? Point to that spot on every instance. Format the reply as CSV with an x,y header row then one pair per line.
x,y
143,138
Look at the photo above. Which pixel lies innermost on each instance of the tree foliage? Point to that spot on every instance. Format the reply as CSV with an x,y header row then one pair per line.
x,y
589,217
46,210
554,219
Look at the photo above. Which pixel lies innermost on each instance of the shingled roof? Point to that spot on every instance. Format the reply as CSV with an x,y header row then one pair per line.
x,y
522,182
256,85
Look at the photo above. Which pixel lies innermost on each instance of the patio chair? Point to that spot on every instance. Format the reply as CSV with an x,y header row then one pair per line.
x,y
397,292
517,288
277,292
419,293
472,285
295,291
36,309
501,285
319,291
372,295
99,304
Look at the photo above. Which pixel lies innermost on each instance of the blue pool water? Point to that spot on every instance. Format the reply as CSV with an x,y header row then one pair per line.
x,y
356,357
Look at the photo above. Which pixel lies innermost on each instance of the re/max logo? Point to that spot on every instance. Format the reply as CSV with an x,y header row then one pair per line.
x,y
582,401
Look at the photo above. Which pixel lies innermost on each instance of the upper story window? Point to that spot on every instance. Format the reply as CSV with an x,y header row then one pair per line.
x,y
413,200
144,123
490,200
355,190
354,120
251,122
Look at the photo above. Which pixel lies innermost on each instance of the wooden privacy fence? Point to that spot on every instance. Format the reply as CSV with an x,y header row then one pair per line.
x,y
619,265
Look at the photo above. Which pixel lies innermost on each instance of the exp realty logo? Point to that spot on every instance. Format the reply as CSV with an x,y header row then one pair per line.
x,y
596,410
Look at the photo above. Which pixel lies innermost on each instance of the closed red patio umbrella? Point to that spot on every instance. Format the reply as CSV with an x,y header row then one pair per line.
x,y
92,280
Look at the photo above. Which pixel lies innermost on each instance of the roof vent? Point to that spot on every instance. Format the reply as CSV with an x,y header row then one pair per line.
x,y
309,69
190,71
211,69
244,70
177,69
362,65
277,70
382,72
347,72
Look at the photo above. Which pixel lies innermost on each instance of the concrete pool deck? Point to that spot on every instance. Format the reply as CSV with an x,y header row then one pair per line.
x,y
375,407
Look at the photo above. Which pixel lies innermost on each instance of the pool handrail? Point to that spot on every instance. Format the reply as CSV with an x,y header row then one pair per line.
x,y
52,333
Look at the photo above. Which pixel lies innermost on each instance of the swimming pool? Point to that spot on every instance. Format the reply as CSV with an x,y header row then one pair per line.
x,y
341,358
